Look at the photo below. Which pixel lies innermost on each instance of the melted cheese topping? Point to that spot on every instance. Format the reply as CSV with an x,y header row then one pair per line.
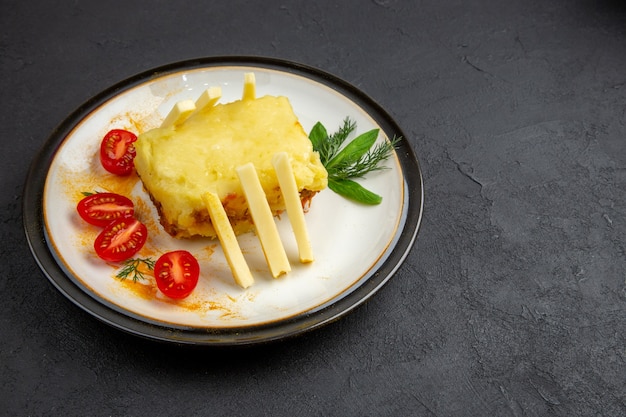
x,y
179,163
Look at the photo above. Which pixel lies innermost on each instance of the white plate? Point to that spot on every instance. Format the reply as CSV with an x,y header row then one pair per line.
x,y
357,248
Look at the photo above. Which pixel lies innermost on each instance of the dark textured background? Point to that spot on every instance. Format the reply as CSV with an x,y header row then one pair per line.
x,y
513,299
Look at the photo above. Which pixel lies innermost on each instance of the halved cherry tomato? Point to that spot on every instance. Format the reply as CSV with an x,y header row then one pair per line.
x,y
100,209
121,239
176,273
117,151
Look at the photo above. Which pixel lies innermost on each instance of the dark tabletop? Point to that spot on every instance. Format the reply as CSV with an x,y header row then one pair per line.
x,y
512,302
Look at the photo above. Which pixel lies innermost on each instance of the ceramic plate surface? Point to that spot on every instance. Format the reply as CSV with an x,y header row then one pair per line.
x,y
357,248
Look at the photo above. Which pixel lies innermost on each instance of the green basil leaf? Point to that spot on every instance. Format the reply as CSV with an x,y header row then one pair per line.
x,y
354,150
354,191
318,136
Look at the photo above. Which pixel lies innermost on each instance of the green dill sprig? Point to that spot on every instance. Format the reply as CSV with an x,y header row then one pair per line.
x,y
354,160
328,145
130,268
89,193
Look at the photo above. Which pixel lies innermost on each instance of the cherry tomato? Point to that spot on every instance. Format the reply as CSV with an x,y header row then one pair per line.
x,y
117,151
177,273
100,209
121,239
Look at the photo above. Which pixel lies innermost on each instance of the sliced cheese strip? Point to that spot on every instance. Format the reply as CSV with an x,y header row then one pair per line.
x,y
226,235
179,113
208,98
249,86
289,190
273,249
